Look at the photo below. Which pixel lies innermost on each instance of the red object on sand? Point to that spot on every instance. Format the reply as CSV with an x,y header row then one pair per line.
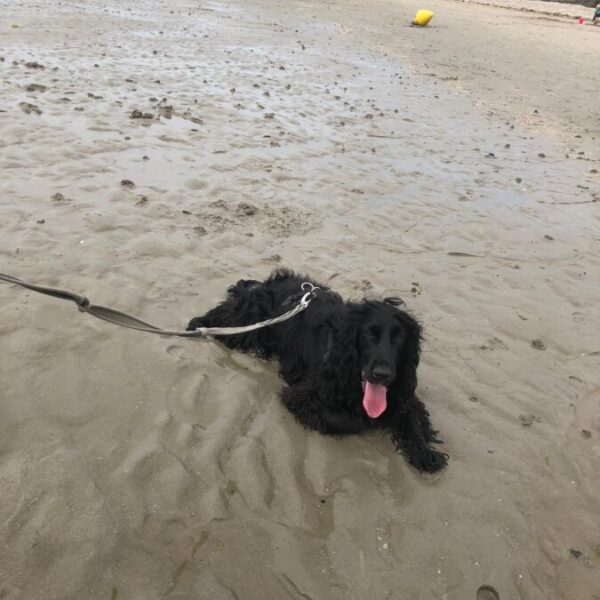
x,y
581,21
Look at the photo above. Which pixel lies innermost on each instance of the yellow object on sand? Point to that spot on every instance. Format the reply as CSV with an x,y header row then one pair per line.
x,y
422,18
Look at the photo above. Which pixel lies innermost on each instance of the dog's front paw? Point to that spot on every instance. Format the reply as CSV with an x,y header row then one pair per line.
x,y
425,459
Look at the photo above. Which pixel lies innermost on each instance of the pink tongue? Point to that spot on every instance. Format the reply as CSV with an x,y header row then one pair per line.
x,y
374,399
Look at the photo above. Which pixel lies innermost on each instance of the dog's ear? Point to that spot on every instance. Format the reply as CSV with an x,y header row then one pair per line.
x,y
408,361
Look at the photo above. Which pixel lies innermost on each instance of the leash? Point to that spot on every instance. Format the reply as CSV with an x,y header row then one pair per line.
x,y
119,318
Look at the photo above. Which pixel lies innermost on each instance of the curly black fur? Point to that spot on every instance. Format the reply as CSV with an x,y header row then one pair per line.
x,y
328,351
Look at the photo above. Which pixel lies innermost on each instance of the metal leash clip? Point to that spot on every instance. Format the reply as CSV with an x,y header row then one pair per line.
x,y
311,293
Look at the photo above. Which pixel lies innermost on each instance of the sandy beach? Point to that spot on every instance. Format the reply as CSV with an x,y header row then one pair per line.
x,y
154,152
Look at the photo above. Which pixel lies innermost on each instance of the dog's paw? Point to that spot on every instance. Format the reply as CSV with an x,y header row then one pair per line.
x,y
425,459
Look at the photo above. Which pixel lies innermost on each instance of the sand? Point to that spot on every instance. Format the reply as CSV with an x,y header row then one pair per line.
x,y
154,152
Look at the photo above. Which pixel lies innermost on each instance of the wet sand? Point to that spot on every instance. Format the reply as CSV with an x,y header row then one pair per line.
x,y
152,155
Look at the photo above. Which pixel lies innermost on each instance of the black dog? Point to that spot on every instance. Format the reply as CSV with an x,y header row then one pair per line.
x,y
349,366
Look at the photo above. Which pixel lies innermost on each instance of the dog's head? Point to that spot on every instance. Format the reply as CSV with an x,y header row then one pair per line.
x,y
388,351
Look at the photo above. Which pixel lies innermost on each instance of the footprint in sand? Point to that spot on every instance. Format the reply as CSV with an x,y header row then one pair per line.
x,y
178,352
487,592
174,350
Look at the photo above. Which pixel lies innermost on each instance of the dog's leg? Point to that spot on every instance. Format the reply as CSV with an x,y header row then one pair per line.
x,y
412,434
242,307
247,303
303,402
228,315
220,316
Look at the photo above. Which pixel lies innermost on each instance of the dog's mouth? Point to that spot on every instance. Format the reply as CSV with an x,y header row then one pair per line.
x,y
374,398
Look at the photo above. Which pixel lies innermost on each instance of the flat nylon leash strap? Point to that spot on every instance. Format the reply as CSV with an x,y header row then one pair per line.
x,y
119,318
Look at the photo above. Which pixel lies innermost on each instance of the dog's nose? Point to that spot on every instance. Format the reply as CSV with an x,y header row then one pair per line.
x,y
381,372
